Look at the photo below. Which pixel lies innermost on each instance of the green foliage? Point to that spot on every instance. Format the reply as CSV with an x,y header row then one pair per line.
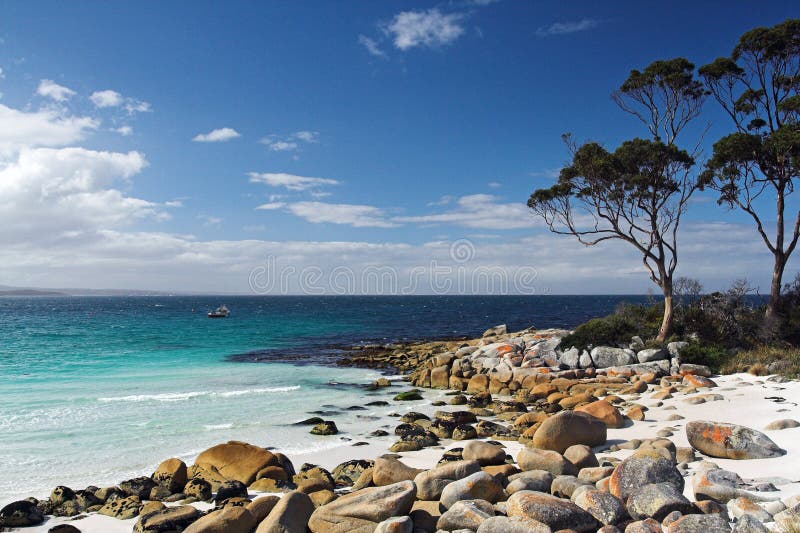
x,y
702,354
618,328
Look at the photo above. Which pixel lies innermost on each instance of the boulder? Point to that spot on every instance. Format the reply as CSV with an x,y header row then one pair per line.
x,y
581,456
363,510
605,507
657,500
122,508
171,474
198,488
227,520
347,473
700,523
551,511
674,348
606,356
643,469
261,507
786,423
326,427
748,524
230,489
548,460
21,513
237,460
502,329
651,354
312,478
644,526
431,483
717,485
396,524
513,524
467,514
139,487
290,515
730,441
388,471
64,528
483,452
566,428
167,520
605,412
535,480
477,486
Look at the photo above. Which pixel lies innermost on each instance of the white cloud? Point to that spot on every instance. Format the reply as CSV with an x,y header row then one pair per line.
x,y
430,28
107,98
562,28
48,192
50,89
45,127
271,206
291,142
217,135
371,45
125,131
209,220
358,216
290,181
494,184
2,74
478,211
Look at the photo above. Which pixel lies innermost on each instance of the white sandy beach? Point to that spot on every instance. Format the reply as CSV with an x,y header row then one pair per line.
x,y
745,402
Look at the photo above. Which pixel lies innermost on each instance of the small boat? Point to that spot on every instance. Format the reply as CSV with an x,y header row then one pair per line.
x,y
219,312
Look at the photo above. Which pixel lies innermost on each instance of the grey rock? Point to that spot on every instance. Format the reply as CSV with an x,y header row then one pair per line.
x,y
700,523
535,480
570,358
21,513
361,511
551,511
639,470
651,354
657,500
606,356
467,514
513,524
431,483
606,508
674,348
396,524
730,441
748,524
477,486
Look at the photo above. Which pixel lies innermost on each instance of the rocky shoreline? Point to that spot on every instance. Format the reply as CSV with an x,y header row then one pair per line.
x,y
530,437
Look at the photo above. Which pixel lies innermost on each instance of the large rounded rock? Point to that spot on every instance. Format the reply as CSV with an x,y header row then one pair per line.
x,y
198,488
548,460
513,524
606,356
139,487
700,523
605,412
388,471
20,514
566,428
122,508
171,474
290,515
227,520
535,480
230,489
167,520
657,500
363,510
477,486
396,524
730,441
643,469
467,514
551,511
237,460
483,452
347,473
605,507
431,483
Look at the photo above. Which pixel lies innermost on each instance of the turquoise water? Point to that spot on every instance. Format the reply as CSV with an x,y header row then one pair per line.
x,y
96,390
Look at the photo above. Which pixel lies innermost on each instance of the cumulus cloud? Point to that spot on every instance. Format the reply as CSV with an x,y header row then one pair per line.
x,y
477,211
45,127
291,142
124,130
562,28
290,181
109,98
358,216
430,28
50,89
217,135
371,45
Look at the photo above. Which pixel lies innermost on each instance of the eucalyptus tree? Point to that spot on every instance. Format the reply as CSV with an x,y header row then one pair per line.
x,y
637,193
756,167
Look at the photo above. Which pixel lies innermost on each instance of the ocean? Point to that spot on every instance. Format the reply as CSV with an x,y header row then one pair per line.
x,y
94,390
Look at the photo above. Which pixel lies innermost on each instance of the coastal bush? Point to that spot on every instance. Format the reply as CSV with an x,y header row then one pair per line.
x,y
782,360
618,328
712,356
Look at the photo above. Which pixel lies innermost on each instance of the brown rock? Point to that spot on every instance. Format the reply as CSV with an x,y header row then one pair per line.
x,y
226,520
363,510
551,511
171,474
605,412
237,460
387,471
290,515
566,428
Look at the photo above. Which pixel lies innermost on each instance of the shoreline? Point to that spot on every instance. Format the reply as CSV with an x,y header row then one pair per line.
x,y
739,398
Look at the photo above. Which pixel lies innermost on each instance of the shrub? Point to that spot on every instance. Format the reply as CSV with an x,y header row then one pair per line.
x,y
701,354
763,359
616,329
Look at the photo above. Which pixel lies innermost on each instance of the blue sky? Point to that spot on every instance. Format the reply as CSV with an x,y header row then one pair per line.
x,y
420,124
